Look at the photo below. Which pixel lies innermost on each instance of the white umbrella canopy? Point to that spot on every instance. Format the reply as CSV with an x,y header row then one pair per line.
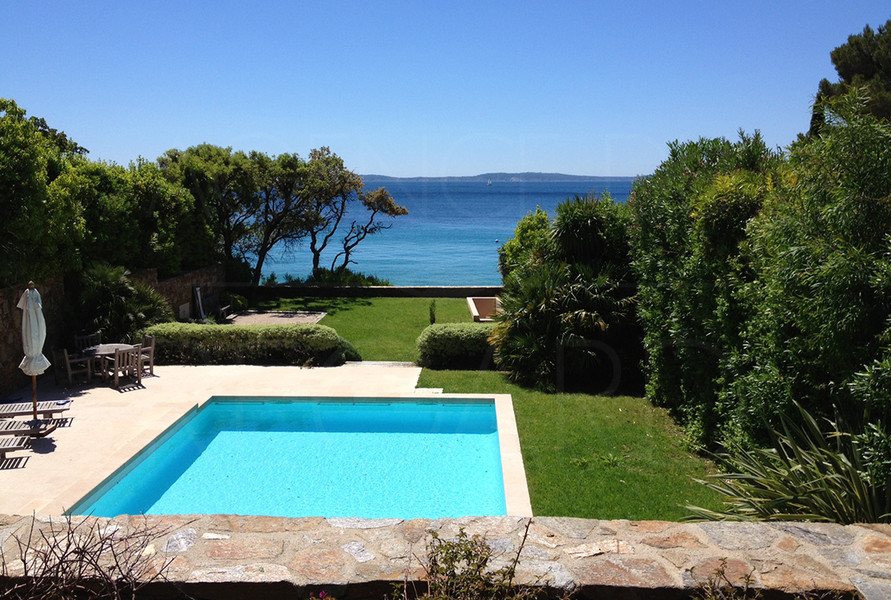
x,y
33,337
33,332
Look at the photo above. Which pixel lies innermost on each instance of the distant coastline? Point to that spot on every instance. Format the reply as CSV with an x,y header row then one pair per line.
x,y
499,178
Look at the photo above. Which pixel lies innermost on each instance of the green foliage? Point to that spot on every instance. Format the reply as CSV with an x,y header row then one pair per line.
x,y
39,229
819,296
567,317
530,242
690,219
455,346
863,62
117,306
458,569
340,277
197,344
806,474
236,302
432,311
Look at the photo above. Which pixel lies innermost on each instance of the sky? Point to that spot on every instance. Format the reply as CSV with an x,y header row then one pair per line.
x,y
425,88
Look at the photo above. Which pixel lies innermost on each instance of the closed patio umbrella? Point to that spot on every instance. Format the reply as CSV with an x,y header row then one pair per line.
x,y
33,337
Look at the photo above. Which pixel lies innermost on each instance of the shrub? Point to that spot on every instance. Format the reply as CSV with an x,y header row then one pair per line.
x,y
236,302
195,344
116,305
455,346
806,474
567,316
338,277
459,569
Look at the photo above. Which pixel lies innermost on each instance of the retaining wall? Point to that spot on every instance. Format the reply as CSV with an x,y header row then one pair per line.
x,y
402,291
234,557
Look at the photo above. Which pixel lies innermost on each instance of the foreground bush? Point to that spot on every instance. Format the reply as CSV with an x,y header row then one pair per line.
x,y
805,475
194,344
455,346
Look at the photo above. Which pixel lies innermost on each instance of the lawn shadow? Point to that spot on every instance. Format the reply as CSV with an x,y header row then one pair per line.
x,y
314,304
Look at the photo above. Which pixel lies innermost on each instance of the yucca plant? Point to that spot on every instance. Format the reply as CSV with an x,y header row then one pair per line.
x,y
805,475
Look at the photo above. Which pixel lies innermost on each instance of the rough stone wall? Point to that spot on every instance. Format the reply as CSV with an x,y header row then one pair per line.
x,y
178,290
225,556
52,294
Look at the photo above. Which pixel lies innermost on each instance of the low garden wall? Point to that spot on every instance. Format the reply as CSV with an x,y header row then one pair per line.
x,y
231,557
178,290
388,291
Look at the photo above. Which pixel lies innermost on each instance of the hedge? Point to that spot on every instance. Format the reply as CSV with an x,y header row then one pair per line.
x,y
456,346
196,344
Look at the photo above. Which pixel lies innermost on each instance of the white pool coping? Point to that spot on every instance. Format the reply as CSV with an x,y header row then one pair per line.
x,y
105,428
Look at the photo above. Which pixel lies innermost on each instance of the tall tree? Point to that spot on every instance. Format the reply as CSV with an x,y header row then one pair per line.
x,y
39,230
863,62
223,186
284,216
378,203
331,191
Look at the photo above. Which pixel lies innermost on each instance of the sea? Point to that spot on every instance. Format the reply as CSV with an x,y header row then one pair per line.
x,y
452,232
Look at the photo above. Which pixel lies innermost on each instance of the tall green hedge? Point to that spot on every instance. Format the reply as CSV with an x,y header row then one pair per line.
x,y
690,218
195,344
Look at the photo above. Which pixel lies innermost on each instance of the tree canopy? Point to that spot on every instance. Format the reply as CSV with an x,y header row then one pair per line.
x,y
863,62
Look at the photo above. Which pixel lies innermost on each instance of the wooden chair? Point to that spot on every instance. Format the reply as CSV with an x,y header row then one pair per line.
x,y
86,341
126,363
66,368
148,354
82,342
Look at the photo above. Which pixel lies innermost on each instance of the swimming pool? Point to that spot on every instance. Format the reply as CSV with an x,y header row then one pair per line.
x,y
296,457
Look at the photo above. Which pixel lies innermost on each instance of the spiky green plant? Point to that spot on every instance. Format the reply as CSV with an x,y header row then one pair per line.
x,y
805,475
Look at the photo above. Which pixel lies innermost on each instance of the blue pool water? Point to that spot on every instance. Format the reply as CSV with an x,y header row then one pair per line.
x,y
296,458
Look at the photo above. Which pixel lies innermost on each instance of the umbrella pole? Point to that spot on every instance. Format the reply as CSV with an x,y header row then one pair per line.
x,y
34,394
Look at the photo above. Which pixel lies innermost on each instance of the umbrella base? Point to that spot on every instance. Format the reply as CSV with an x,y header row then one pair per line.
x,y
41,428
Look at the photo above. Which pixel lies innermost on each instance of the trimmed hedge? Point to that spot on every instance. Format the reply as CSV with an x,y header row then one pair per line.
x,y
456,346
196,344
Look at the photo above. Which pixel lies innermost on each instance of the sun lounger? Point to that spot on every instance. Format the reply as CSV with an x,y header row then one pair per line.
x,y
16,427
22,409
9,444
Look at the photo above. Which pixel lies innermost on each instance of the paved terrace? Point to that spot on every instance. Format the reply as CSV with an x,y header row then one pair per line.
x,y
240,557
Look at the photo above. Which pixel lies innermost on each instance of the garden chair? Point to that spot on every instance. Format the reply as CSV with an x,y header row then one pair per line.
x,y
126,363
66,367
89,340
148,354
85,341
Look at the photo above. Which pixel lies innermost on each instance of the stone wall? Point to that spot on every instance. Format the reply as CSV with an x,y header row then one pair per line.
x,y
231,557
385,291
52,294
178,290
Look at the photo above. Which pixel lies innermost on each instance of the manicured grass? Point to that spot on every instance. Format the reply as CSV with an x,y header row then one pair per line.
x,y
593,456
379,328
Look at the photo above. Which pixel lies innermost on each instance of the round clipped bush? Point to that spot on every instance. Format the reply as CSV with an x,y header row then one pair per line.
x,y
197,344
455,346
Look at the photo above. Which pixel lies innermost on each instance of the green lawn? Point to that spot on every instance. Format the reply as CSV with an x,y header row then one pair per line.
x,y
592,456
379,328
585,456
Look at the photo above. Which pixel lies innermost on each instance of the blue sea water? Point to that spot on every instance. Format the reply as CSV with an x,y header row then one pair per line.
x,y
452,232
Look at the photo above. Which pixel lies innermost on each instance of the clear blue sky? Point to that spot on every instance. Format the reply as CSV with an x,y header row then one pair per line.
x,y
425,88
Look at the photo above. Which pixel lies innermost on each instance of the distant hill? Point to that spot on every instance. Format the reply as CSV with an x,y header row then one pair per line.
x,y
499,177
